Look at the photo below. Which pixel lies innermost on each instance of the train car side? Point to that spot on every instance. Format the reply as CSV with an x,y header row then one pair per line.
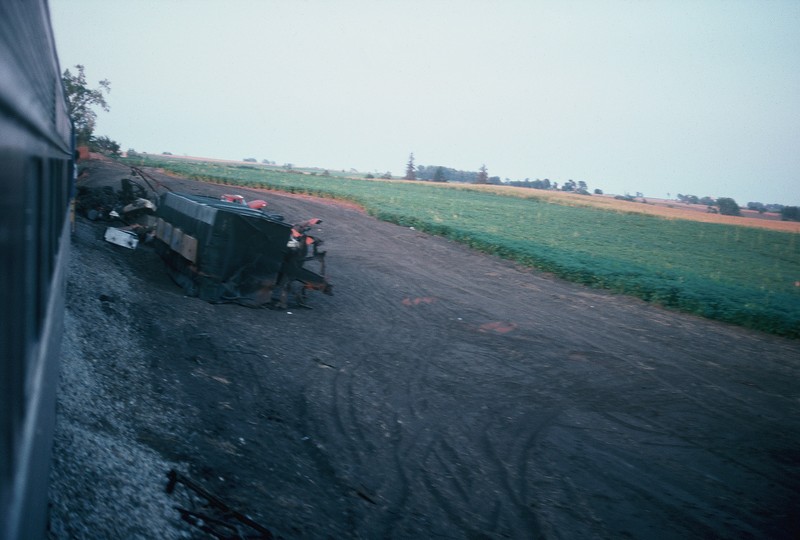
x,y
36,172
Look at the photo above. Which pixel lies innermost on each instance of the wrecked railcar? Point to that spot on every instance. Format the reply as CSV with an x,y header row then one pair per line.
x,y
221,251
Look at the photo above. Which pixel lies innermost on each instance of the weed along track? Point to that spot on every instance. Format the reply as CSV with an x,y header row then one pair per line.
x,y
440,393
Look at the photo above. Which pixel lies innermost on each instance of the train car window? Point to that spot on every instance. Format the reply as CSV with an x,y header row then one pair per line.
x,y
12,303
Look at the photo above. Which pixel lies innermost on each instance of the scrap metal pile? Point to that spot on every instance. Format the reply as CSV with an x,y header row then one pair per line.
x,y
220,250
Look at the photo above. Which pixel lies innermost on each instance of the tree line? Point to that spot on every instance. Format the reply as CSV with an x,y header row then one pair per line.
x,y
729,207
721,205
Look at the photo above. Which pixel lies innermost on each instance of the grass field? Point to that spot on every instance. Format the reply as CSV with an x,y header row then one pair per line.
x,y
742,275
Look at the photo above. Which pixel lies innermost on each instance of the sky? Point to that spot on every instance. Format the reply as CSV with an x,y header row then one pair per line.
x,y
658,97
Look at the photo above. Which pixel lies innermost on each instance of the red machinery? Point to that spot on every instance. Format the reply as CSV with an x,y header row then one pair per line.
x,y
257,204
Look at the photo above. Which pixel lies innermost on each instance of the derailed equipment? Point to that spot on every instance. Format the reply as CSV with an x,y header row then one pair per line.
x,y
211,515
302,248
104,204
226,252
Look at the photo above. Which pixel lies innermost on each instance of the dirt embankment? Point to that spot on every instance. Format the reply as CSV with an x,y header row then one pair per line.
x,y
439,393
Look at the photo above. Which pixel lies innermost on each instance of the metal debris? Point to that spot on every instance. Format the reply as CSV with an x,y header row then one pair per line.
x,y
122,237
209,514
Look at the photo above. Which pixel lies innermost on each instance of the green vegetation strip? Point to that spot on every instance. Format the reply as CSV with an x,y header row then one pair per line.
x,y
735,274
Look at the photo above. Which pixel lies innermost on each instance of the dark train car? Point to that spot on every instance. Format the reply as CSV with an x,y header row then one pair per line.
x,y
226,252
36,172
221,251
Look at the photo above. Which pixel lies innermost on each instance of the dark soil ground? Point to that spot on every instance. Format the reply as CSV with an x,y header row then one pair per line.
x,y
440,393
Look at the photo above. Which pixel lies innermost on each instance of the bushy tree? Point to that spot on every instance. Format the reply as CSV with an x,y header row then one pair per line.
x,y
104,145
483,175
728,207
708,201
82,100
790,213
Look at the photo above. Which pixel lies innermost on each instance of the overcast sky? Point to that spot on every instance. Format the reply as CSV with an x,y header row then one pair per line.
x,y
694,97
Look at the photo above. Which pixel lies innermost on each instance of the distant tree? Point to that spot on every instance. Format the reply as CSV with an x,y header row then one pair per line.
x,y
569,185
369,175
790,213
448,174
410,168
387,175
250,160
757,206
483,176
537,184
81,101
708,201
773,207
598,191
728,207
438,176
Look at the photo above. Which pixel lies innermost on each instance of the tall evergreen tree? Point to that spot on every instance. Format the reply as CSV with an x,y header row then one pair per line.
x,y
411,170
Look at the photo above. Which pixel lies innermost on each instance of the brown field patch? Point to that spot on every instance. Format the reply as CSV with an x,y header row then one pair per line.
x,y
654,207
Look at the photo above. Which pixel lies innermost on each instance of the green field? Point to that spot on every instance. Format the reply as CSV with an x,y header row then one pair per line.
x,y
735,274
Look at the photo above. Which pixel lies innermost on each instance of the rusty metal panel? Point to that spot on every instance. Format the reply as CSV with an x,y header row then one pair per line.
x,y
176,239
188,248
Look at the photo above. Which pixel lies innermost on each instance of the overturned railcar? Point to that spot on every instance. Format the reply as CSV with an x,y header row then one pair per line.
x,y
225,252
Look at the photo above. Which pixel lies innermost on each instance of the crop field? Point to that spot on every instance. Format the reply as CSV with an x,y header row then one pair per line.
x,y
743,275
